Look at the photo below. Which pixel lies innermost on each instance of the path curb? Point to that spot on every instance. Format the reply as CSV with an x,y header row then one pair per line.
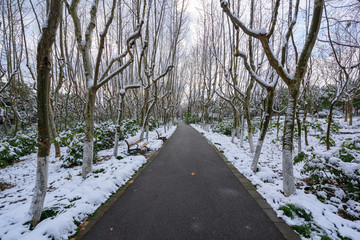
x,y
100,211
279,223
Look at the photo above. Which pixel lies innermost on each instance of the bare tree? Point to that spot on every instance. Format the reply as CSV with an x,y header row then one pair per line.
x,y
94,79
293,80
47,39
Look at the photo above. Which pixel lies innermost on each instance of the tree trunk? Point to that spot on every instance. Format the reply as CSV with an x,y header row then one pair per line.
x,y
54,132
242,131
298,122
305,125
265,125
329,126
43,81
249,126
118,125
350,112
346,111
88,152
287,160
278,125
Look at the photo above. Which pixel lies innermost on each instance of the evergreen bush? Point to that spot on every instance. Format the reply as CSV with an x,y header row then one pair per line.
x,y
8,154
224,127
335,178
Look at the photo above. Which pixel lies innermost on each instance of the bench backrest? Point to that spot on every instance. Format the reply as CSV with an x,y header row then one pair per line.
x,y
127,144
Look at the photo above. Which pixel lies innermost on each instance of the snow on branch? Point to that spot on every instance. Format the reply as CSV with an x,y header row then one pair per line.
x,y
164,73
129,42
263,37
258,79
112,61
253,33
114,73
128,87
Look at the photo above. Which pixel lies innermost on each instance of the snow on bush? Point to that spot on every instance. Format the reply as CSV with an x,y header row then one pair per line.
x,y
12,148
104,135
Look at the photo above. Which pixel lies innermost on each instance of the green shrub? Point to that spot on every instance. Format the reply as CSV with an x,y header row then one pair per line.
x,y
24,144
74,153
65,137
289,209
331,176
49,213
335,127
255,126
189,118
324,237
104,135
322,140
300,157
152,124
315,125
303,230
224,127
8,154
129,127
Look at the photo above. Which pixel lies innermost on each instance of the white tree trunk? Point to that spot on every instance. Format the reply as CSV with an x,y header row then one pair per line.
x,y
142,133
238,132
257,155
232,135
88,151
118,122
40,189
251,141
287,160
116,143
147,133
87,158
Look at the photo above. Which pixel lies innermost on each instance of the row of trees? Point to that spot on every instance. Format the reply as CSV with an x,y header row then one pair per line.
x,y
264,58
108,60
112,60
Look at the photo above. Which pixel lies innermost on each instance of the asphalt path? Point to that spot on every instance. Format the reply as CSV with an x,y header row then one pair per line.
x,y
187,192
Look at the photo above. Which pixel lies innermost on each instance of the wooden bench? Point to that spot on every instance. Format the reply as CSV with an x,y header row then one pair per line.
x,y
160,137
135,150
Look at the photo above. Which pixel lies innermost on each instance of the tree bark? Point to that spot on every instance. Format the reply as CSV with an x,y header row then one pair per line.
x,y
287,153
265,125
329,126
43,81
53,131
118,125
88,151
298,122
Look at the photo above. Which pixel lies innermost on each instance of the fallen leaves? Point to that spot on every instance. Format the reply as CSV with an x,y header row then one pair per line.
x,y
82,226
131,181
193,174
111,229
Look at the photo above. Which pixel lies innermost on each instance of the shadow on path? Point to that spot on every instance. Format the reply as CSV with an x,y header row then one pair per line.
x,y
187,192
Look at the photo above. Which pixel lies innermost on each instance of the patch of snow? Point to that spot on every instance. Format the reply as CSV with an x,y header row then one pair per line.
x,y
74,198
269,182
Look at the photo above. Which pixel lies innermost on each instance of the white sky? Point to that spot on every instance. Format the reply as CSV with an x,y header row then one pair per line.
x,y
193,12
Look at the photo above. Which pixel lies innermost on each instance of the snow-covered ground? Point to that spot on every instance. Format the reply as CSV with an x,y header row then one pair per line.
x,y
268,180
74,198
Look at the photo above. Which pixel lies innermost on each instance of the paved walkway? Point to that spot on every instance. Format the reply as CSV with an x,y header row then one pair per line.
x,y
187,192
